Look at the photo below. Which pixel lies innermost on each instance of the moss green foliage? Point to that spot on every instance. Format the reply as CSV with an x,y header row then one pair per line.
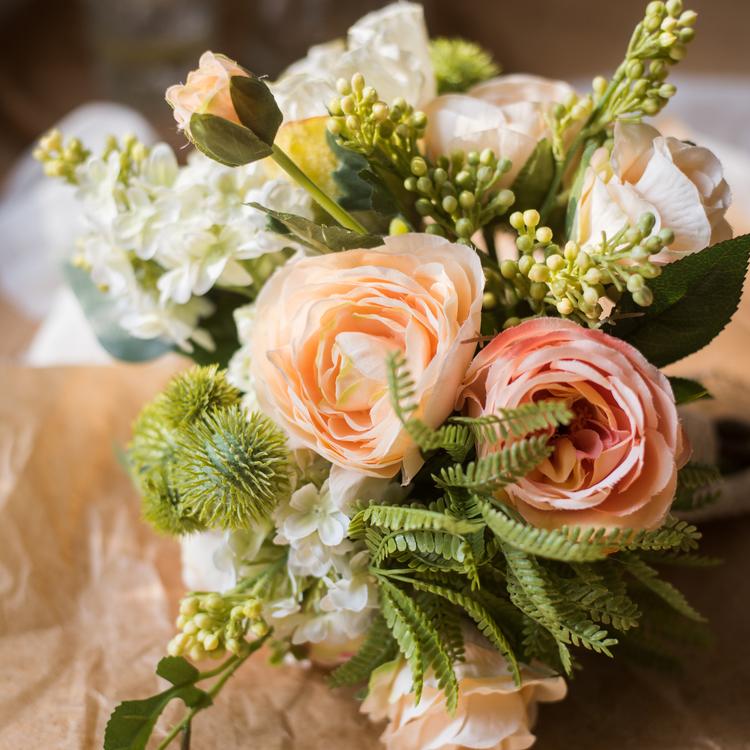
x,y
199,461
460,64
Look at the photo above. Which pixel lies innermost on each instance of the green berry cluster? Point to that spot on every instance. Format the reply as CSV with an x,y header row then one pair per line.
x,y
582,283
212,624
460,193
638,87
361,122
60,158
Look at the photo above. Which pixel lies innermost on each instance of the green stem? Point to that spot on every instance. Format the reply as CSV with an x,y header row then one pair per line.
x,y
327,204
228,668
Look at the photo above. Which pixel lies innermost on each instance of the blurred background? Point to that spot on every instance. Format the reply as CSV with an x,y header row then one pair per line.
x,y
57,55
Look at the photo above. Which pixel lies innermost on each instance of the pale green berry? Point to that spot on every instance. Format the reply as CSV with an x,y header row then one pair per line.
x,y
418,166
358,82
593,276
508,269
571,250
435,229
555,262
635,282
516,220
539,272
544,235
565,307
524,243
531,218
464,228
510,322
449,204
466,199
525,262
489,301
643,297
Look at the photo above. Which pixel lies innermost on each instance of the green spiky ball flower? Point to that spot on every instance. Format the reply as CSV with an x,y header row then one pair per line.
x,y
199,461
231,469
459,64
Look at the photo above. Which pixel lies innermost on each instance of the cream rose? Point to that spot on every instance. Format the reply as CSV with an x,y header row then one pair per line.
x,y
616,464
206,91
682,185
329,323
507,114
492,712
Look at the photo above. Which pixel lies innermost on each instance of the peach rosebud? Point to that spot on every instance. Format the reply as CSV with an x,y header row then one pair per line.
x,y
616,464
508,114
682,185
329,324
492,712
206,91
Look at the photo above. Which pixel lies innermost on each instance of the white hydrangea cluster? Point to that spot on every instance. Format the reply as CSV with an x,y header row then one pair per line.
x,y
162,236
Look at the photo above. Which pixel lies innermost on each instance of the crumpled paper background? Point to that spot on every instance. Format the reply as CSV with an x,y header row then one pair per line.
x,y
88,594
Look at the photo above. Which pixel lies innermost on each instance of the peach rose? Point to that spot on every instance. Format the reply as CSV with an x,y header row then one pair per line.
x,y
318,358
682,185
507,114
616,464
206,91
492,712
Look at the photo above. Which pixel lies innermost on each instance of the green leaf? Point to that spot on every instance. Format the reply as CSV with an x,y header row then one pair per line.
x,y
255,106
226,142
132,722
532,182
102,314
686,390
320,237
694,299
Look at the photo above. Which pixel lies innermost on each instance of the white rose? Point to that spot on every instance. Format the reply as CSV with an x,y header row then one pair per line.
x,y
390,47
507,114
682,185
492,713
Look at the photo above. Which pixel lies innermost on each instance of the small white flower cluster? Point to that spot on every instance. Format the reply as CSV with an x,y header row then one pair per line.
x,y
327,595
162,236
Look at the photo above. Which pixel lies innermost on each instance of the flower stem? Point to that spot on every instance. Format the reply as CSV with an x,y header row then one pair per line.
x,y
227,669
327,204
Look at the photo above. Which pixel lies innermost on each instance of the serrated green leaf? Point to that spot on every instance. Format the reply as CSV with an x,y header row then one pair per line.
x,y
694,299
255,106
322,238
132,722
226,142
686,390
532,182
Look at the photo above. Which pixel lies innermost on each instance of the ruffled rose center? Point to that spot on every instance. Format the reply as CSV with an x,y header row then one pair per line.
x,y
592,445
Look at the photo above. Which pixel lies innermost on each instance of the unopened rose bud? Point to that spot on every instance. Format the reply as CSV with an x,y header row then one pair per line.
x,y
207,91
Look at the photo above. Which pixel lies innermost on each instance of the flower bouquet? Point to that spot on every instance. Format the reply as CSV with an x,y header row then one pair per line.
x,y
426,442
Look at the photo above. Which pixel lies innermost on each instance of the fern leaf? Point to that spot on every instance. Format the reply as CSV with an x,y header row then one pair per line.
x,y
477,612
514,423
408,641
649,577
410,518
550,544
377,648
490,473
434,650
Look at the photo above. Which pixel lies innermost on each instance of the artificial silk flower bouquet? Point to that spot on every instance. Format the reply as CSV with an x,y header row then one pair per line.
x,y
426,442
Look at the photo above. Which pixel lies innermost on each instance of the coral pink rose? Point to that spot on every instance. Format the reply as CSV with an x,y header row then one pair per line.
x,y
492,712
682,185
508,114
206,91
329,323
616,464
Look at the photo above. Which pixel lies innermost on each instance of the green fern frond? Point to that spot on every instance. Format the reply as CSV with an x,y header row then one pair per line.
x,y
484,621
411,518
649,577
434,651
514,423
232,470
490,473
460,64
448,622
408,641
400,386
377,648
551,544
696,487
